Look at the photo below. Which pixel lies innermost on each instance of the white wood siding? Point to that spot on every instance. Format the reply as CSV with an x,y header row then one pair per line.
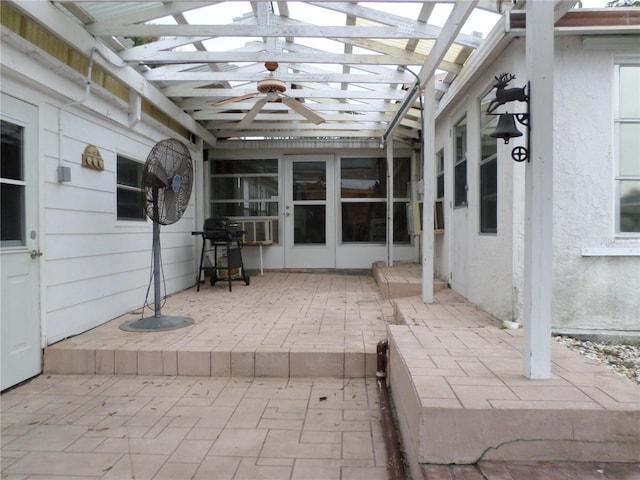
x,y
96,268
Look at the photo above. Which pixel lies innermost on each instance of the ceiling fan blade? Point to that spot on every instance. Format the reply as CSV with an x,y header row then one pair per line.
x,y
248,118
235,99
303,110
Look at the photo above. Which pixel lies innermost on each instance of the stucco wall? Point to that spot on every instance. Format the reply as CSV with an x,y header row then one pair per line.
x,y
590,293
601,292
480,266
94,267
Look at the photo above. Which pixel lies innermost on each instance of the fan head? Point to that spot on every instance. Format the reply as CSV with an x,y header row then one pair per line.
x,y
167,180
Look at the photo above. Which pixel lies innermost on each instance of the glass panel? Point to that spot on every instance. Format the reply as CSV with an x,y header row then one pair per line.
x,y
363,178
630,206
460,162
630,91
11,154
309,181
220,167
400,228
241,188
130,172
440,186
460,178
489,196
461,140
401,177
12,197
245,209
130,204
364,222
310,223
488,145
630,149
440,179
13,213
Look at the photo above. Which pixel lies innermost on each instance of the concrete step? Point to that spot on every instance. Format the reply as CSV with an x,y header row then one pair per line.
x,y
211,362
402,280
461,398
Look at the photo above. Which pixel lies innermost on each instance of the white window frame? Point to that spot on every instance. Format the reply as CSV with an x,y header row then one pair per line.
x,y
139,189
617,121
458,161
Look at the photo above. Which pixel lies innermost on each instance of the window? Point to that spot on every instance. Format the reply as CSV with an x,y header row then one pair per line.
x,y
627,127
401,194
130,193
488,169
460,164
440,174
244,188
363,193
12,186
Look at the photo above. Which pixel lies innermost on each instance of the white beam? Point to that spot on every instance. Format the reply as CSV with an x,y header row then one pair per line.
x,y
458,16
538,252
235,30
390,203
429,195
59,24
158,74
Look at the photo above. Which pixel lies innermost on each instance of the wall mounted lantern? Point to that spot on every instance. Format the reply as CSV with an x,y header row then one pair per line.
x,y
507,128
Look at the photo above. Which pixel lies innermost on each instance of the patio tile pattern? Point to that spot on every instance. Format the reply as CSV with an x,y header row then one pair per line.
x,y
276,380
144,427
282,325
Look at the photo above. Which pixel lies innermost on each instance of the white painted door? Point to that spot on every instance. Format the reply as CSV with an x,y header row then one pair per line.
x,y
309,211
19,246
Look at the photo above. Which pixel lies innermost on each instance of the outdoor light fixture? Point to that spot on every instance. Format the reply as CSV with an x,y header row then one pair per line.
x,y
507,128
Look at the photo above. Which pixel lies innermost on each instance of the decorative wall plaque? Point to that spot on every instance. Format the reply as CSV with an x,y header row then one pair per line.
x,y
91,158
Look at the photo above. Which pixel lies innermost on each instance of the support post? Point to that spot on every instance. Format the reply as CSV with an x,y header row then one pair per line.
x,y
390,203
538,253
428,198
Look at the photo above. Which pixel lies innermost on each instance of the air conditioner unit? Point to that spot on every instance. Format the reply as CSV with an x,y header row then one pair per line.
x,y
257,231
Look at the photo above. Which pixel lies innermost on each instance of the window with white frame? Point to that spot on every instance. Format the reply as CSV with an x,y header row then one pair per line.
x,y
460,163
627,134
488,168
440,175
130,194
363,198
245,188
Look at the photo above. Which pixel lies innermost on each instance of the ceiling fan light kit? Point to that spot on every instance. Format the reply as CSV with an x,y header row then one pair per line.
x,y
271,85
273,89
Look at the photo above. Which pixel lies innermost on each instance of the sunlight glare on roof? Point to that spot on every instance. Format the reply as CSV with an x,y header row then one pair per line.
x,y
315,15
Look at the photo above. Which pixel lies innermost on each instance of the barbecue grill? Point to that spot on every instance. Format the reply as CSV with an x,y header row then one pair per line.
x,y
224,233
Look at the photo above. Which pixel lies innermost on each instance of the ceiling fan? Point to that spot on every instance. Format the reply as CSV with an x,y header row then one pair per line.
x,y
274,91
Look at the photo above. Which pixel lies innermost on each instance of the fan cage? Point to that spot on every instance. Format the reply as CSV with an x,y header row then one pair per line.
x,y
167,180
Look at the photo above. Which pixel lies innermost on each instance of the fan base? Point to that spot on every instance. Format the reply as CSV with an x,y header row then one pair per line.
x,y
156,324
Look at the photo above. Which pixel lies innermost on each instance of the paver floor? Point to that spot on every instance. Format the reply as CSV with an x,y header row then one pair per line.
x,y
118,427
170,426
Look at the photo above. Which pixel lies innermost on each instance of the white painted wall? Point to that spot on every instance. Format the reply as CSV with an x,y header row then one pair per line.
x,y
95,267
594,293
477,265
589,293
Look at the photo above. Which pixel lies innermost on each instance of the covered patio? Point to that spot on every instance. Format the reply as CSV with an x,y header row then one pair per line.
x,y
453,368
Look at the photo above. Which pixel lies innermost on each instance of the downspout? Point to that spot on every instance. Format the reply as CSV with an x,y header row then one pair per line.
x,y
61,173
395,464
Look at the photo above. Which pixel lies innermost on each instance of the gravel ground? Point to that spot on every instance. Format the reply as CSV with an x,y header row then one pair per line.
x,y
622,358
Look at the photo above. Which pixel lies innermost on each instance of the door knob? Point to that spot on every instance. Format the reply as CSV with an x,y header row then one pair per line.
x,y
36,253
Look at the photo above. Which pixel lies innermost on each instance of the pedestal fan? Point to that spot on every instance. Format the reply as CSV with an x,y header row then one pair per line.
x,y
167,182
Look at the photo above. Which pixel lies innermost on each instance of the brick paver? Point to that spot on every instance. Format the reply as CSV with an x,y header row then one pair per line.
x,y
112,427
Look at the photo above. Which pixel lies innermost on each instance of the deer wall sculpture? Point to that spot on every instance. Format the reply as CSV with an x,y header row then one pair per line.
x,y
504,95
